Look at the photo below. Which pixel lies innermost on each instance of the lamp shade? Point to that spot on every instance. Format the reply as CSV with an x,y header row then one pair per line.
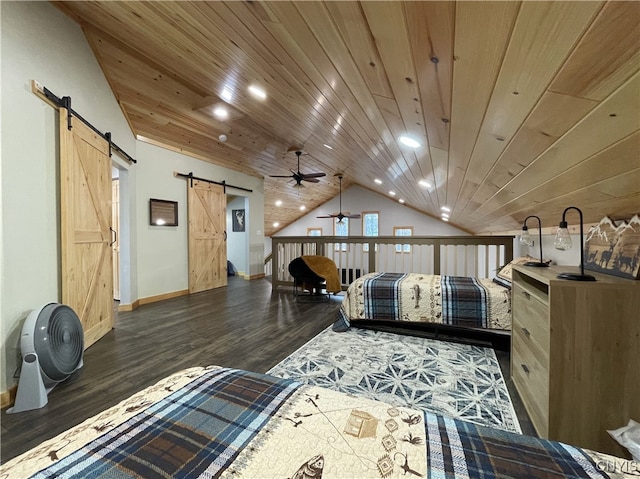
x,y
563,238
525,238
563,242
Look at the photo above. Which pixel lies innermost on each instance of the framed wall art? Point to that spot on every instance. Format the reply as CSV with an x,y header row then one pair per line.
x,y
237,220
163,212
612,248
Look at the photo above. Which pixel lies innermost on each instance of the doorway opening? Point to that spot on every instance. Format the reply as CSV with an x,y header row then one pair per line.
x,y
238,235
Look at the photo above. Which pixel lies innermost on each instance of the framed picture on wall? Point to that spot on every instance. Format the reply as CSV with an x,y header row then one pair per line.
x,y
237,220
614,248
163,212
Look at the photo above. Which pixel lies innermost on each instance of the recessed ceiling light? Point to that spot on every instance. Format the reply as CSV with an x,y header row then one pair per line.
x,y
401,200
410,142
327,146
278,202
392,193
226,95
257,92
276,224
220,112
445,219
424,183
377,181
444,215
445,208
303,207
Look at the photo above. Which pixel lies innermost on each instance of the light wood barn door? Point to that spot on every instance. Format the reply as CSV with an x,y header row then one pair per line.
x,y
85,227
207,236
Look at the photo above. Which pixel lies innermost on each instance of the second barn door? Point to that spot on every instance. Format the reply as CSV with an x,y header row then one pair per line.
x,y
207,236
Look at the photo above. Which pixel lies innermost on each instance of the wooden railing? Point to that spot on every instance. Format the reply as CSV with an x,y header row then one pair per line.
x,y
479,256
267,264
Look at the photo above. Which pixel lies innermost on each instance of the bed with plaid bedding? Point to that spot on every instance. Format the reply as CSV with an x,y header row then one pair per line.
x,y
220,422
448,300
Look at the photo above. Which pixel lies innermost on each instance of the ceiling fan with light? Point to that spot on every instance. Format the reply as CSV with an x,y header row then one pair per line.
x,y
340,215
298,176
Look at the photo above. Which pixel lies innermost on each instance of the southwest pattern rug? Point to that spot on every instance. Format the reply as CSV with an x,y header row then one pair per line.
x,y
455,380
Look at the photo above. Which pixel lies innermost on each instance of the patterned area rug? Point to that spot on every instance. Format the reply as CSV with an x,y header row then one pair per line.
x,y
456,380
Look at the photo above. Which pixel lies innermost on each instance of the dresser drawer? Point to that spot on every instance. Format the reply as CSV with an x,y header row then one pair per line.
x,y
531,379
530,318
529,346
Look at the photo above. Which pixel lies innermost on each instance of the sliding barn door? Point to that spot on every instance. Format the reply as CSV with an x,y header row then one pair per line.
x,y
85,227
207,236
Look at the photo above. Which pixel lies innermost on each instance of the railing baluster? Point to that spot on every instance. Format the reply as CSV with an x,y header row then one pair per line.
x,y
483,255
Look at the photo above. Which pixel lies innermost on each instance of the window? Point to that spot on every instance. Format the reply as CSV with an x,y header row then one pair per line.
x,y
370,221
314,231
341,228
403,231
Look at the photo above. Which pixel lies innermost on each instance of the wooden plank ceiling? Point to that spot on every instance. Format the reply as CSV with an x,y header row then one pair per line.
x,y
520,108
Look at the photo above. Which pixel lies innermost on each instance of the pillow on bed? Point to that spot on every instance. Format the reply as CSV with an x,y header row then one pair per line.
x,y
505,271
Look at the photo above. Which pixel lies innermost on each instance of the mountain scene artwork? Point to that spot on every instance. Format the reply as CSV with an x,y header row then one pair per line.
x,y
614,249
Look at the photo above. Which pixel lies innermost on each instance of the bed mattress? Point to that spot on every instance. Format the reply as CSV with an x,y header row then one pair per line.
x,y
449,300
221,422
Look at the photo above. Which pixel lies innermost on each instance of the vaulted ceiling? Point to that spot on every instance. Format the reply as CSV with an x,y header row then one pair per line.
x,y
519,108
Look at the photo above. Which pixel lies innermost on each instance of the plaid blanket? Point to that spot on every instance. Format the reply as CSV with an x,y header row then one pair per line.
x,y
197,431
381,296
457,449
451,300
237,424
464,302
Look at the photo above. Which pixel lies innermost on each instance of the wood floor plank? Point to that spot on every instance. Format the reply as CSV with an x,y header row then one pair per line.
x,y
243,326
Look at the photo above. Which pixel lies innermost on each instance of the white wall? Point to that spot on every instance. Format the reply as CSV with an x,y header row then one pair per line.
x,y
237,241
356,200
570,257
38,42
162,255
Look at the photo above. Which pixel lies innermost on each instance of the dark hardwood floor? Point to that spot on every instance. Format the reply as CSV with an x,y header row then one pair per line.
x,y
244,326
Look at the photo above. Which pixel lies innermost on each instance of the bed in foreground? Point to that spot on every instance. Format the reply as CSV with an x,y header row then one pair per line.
x,y
219,422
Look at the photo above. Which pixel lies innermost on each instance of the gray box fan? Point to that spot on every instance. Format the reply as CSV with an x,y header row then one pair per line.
x,y
52,345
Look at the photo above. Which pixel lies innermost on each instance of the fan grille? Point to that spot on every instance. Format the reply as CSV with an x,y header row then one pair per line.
x,y
59,341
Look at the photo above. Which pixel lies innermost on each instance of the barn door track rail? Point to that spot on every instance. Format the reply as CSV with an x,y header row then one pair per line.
x,y
224,184
65,102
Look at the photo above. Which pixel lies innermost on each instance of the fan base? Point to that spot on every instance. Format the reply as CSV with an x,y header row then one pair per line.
x,y
32,393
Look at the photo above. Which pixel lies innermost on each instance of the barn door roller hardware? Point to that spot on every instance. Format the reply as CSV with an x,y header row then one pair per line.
x,y
65,102
224,184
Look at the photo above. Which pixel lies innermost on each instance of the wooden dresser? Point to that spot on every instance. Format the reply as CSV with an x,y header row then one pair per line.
x,y
575,354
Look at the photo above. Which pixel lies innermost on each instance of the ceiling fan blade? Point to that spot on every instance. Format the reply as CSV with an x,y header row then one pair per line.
x,y
313,175
353,216
310,180
327,216
280,176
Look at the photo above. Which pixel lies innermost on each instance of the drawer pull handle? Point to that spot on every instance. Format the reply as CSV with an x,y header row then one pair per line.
x,y
526,332
526,295
525,368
